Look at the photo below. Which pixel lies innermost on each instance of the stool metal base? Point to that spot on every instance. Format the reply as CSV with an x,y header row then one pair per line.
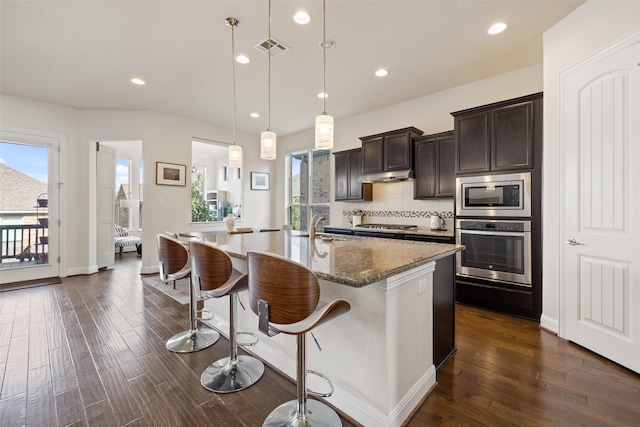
x,y
318,415
222,376
192,340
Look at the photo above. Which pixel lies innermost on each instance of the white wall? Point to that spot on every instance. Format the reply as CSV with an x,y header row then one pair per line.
x,y
431,114
165,138
586,31
168,139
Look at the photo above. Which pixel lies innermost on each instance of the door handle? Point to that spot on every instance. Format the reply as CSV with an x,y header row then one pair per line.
x,y
573,242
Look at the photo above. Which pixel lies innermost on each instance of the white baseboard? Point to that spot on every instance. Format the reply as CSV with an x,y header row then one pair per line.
x,y
551,325
370,416
153,269
78,271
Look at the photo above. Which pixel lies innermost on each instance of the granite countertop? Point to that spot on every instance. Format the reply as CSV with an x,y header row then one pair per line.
x,y
349,260
425,231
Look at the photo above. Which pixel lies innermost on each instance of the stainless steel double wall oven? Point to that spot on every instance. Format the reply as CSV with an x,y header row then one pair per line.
x,y
494,223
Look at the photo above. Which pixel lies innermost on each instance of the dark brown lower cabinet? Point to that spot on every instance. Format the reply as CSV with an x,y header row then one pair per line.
x,y
444,344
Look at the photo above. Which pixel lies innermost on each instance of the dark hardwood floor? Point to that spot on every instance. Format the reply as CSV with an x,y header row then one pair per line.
x,y
90,351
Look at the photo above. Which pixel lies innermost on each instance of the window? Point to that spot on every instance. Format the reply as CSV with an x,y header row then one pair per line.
x,y
123,192
140,193
201,210
309,186
216,189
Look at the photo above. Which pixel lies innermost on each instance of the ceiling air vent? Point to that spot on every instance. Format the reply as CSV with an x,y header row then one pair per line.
x,y
276,47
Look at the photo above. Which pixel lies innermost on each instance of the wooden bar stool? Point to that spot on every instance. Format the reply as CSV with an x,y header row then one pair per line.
x,y
174,265
286,297
213,273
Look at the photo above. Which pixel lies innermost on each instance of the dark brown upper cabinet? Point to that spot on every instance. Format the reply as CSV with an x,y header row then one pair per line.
x,y
434,166
348,166
498,137
388,151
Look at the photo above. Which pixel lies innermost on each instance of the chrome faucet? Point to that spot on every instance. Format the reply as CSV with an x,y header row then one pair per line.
x,y
313,225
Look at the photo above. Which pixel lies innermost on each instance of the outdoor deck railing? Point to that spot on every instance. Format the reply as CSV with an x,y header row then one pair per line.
x,y
14,239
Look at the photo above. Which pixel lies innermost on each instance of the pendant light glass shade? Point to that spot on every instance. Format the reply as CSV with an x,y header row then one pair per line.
x,y
324,122
235,156
324,131
235,151
268,145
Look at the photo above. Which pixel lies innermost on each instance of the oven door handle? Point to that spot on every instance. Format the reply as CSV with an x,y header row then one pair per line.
x,y
494,233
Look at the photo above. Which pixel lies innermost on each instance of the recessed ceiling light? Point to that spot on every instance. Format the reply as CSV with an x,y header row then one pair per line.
x,y
327,44
254,115
137,81
242,59
302,18
497,28
381,72
322,95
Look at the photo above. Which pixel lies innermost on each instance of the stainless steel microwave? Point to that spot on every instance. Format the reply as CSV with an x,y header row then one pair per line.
x,y
505,195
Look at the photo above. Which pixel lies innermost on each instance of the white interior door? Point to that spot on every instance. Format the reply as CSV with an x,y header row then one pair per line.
x,y
601,218
19,227
106,182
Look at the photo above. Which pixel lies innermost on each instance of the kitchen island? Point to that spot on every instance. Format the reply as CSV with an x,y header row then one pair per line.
x,y
379,356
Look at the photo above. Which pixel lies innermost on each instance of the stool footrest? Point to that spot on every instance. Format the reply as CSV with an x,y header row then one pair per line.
x,y
248,343
322,376
204,315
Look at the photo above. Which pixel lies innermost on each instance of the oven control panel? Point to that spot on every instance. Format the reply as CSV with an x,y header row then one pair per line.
x,y
493,225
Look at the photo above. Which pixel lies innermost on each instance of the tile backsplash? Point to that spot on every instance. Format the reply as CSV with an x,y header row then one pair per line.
x,y
393,203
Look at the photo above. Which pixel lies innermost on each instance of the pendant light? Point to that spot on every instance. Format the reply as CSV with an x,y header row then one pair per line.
x,y
235,150
324,122
268,137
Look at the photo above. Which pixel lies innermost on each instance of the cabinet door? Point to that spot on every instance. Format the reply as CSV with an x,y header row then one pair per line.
x,y
512,137
355,166
424,184
472,143
372,155
342,176
397,152
446,157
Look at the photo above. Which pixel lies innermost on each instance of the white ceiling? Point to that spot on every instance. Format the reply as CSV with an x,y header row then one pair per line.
x,y
82,54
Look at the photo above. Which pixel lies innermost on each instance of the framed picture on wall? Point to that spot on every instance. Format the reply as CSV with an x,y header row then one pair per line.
x,y
259,181
171,174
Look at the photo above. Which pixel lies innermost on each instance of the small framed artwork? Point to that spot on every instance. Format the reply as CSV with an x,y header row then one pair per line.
x,y
171,174
259,181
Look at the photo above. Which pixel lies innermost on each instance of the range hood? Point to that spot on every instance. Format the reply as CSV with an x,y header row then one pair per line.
x,y
402,175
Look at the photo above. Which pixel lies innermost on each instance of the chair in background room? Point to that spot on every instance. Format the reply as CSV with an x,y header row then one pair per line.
x,y
122,239
212,272
174,265
286,297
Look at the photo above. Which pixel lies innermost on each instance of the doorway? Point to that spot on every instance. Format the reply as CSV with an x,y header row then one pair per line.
x,y
29,206
120,197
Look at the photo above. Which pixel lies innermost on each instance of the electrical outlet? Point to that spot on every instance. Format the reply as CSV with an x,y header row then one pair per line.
x,y
422,286
161,201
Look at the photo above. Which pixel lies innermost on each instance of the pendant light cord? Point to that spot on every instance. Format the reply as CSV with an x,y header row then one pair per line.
x,y
269,74
233,68
324,60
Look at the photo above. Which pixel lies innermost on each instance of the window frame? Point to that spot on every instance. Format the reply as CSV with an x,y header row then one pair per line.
x,y
309,206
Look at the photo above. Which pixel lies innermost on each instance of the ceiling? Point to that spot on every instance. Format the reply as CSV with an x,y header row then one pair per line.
x,y
82,54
